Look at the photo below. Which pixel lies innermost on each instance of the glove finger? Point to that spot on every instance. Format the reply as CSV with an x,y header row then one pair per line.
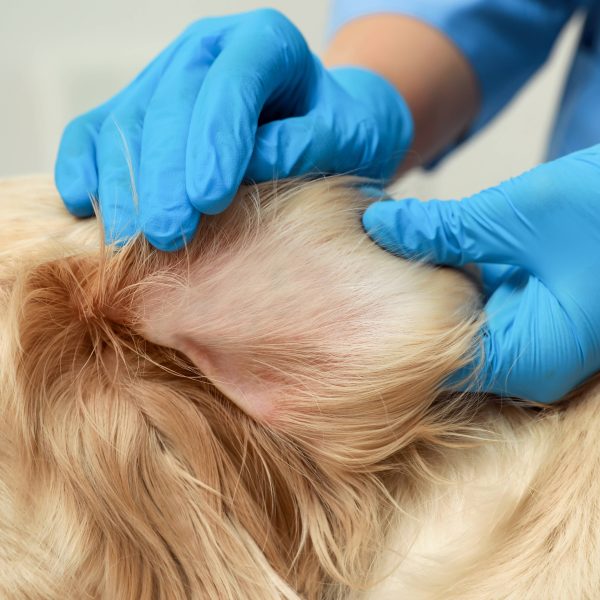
x,y
292,147
483,228
377,141
75,172
167,217
256,62
492,365
508,358
339,140
478,375
118,154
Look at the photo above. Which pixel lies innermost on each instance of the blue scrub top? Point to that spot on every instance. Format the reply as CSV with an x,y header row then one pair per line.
x,y
506,41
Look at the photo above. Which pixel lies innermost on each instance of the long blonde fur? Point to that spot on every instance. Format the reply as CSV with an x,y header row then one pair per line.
x,y
134,465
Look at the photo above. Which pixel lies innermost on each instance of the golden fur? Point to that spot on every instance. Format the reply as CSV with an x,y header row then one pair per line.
x,y
262,415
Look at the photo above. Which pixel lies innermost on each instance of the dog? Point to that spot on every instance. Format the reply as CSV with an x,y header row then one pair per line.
x,y
265,414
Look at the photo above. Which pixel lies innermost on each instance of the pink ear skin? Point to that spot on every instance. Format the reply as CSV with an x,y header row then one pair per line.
x,y
253,390
292,312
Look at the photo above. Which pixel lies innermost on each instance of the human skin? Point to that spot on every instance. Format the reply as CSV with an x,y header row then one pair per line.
x,y
430,72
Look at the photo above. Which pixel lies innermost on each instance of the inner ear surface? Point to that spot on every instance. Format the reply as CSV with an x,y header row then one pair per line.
x,y
254,389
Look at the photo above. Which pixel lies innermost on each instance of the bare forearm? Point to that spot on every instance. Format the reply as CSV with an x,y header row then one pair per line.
x,y
427,69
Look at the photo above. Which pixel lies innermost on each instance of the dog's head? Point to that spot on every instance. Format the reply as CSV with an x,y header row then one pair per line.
x,y
226,421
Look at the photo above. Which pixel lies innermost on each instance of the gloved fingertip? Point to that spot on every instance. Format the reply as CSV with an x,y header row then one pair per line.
x,y
428,231
203,184
78,206
211,204
171,239
166,245
119,230
210,198
381,222
120,238
476,375
76,191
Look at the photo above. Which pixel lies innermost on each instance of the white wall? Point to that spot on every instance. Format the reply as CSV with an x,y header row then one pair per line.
x,y
61,57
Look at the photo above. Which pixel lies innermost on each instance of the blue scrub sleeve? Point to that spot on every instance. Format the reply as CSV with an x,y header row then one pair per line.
x,y
505,41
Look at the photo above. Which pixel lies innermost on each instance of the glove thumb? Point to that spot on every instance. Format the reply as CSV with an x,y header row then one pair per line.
x,y
483,228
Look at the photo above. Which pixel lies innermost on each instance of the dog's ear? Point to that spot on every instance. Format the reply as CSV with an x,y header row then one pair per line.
x,y
256,388
296,316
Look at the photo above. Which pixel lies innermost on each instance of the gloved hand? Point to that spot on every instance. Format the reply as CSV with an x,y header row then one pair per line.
x,y
231,98
541,234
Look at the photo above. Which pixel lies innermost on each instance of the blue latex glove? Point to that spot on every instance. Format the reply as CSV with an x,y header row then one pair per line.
x,y
232,98
541,234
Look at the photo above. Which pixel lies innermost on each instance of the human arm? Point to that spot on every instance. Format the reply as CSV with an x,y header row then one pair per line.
x,y
457,63
433,76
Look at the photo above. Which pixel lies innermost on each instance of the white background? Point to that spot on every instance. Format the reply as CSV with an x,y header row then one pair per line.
x,y
59,58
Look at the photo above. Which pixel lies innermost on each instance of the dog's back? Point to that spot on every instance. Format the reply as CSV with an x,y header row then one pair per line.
x,y
514,518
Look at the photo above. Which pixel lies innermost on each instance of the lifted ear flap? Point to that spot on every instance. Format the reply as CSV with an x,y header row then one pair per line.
x,y
253,387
